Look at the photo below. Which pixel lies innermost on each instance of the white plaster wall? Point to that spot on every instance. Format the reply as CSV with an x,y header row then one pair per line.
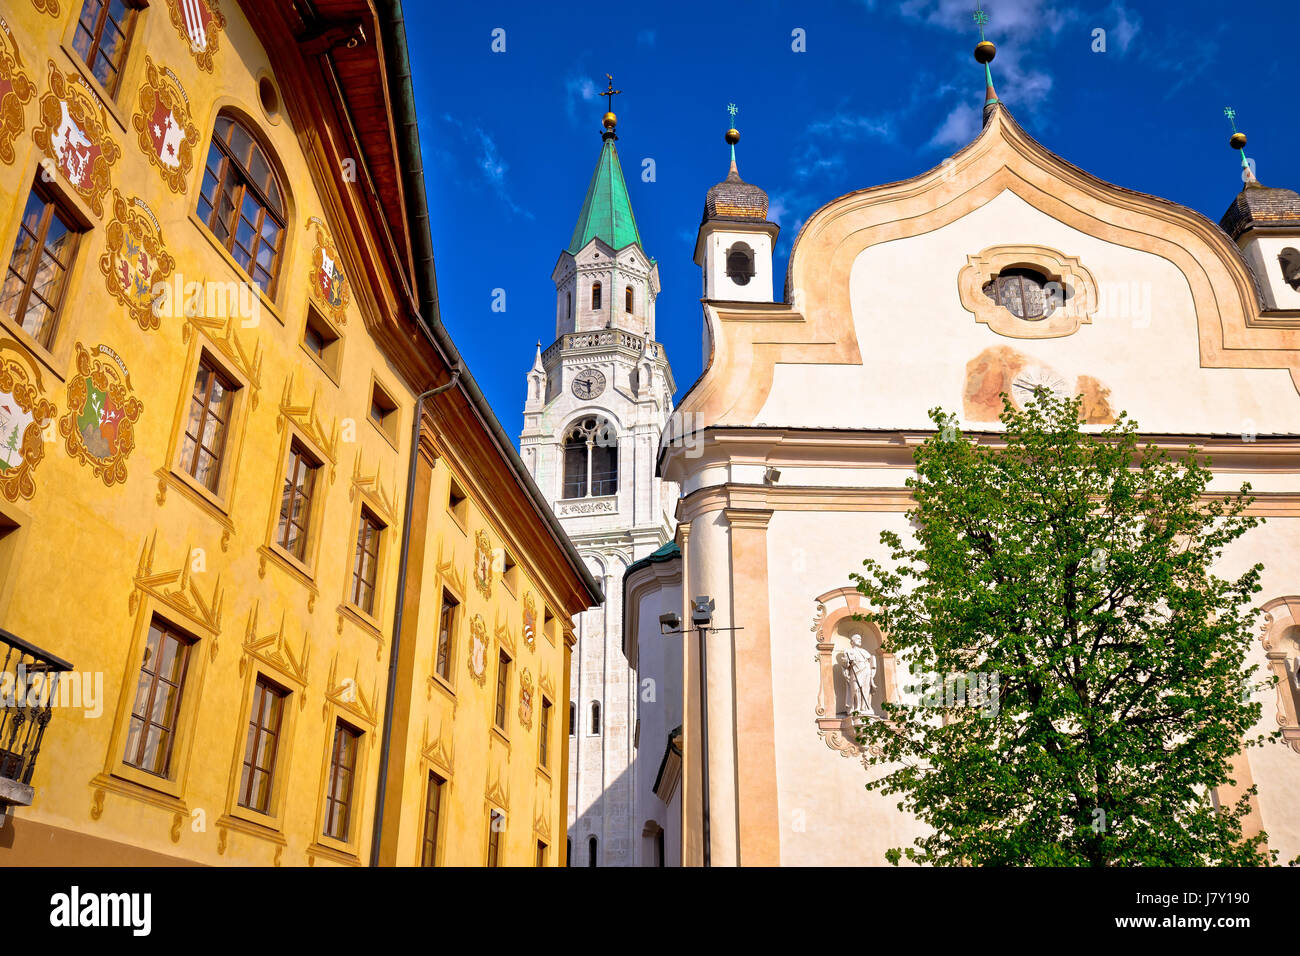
x,y
827,816
718,285
916,339
659,707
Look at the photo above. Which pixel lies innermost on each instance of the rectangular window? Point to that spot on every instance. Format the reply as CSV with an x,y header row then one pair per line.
x,y
103,33
383,411
456,502
296,501
262,747
36,276
544,733
496,823
446,634
432,810
209,419
509,572
503,685
338,795
320,339
157,707
365,568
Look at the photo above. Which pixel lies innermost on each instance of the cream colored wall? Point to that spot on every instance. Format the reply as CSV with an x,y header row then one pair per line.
x,y
916,338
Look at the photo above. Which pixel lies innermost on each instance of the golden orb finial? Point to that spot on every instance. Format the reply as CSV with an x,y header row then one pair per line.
x,y
733,136
610,120
985,51
1238,141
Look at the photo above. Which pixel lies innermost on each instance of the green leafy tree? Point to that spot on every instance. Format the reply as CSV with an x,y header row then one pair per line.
x,y
1067,575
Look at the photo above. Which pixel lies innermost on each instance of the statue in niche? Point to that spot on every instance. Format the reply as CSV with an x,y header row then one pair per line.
x,y
859,666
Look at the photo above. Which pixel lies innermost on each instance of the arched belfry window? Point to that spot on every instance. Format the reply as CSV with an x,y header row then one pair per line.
x,y
595,718
740,263
627,300
590,459
595,295
568,305
1024,293
591,851
573,718
242,203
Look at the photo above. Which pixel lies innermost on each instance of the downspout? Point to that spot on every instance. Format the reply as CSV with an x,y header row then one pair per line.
x,y
402,563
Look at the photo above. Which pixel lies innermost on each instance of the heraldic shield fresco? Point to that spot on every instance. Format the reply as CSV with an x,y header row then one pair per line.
x,y
163,126
74,135
134,262
327,281
24,413
16,89
199,23
99,427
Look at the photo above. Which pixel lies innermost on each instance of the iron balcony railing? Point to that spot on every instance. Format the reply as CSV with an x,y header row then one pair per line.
x,y
29,691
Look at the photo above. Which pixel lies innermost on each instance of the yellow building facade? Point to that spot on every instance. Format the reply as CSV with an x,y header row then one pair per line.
x,y
221,369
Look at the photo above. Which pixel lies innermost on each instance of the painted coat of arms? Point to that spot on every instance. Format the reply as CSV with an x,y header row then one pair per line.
x,y
74,136
199,23
165,131
526,699
99,427
483,564
135,262
16,89
478,648
530,621
327,280
24,412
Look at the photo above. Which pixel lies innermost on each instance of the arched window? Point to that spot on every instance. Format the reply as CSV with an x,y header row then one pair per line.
x,y
740,263
591,851
590,459
573,718
242,203
627,300
568,305
1023,293
595,718
595,295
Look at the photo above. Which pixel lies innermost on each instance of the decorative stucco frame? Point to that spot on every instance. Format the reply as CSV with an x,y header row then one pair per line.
x,y
1078,308
1280,615
832,608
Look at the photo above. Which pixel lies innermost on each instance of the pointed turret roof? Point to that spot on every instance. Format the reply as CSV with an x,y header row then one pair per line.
x,y
607,210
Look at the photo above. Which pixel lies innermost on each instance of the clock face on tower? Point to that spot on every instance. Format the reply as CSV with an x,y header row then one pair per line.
x,y
1035,377
589,384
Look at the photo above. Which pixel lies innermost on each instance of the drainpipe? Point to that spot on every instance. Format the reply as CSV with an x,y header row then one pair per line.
x,y
402,565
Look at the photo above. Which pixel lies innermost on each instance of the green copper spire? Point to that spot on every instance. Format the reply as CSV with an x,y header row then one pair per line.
x,y
1238,142
607,210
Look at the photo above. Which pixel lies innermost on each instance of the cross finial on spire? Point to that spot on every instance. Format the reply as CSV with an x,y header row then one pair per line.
x,y
733,134
1238,142
984,53
610,93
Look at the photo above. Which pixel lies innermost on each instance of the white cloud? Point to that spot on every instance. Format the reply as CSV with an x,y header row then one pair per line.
x,y
489,161
578,88
1127,25
960,127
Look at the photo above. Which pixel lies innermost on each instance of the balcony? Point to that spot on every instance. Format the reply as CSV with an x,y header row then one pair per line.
x,y
29,691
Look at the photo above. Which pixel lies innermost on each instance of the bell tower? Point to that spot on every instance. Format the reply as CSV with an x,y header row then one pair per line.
x,y
735,240
597,400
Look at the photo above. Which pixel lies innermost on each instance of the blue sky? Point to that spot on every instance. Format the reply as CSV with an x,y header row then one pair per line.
x,y
882,92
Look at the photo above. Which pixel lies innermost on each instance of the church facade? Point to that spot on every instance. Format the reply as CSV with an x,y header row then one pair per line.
x,y
599,397
900,298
